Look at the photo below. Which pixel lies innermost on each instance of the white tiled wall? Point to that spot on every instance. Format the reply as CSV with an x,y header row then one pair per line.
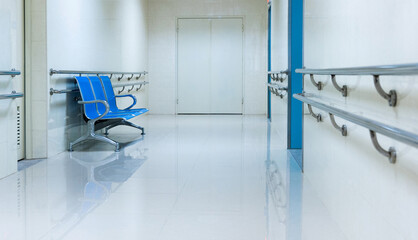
x,y
11,56
92,35
368,197
279,62
162,48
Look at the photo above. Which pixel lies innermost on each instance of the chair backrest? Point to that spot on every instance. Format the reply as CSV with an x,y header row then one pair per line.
x,y
87,94
99,92
110,94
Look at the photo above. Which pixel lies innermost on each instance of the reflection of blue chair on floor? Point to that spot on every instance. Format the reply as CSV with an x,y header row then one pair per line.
x,y
101,111
105,175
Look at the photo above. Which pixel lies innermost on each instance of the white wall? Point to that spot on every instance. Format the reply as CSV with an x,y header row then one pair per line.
x,y
162,48
92,35
367,196
11,56
279,62
36,84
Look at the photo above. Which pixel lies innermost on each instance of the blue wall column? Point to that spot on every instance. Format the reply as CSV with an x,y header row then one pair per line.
x,y
269,62
295,108
295,117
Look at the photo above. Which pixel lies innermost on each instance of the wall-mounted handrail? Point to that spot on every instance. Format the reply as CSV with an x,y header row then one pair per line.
x,y
53,91
277,89
12,73
375,71
130,84
402,69
76,72
278,76
12,95
373,126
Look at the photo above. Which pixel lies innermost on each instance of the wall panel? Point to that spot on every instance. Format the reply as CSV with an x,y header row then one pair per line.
x,y
367,196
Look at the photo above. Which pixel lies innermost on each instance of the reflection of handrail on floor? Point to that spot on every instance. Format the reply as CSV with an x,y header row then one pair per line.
x,y
277,190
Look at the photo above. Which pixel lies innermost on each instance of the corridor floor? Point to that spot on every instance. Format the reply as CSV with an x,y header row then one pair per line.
x,y
189,178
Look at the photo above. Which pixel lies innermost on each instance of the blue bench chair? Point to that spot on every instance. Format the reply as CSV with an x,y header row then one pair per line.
x,y
110,96
97,101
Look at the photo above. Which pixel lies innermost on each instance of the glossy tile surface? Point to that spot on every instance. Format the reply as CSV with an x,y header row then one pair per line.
x,y
190,177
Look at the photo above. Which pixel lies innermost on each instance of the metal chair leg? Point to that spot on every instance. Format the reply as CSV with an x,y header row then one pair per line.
x,y
80,140
91,135
106,140
126,123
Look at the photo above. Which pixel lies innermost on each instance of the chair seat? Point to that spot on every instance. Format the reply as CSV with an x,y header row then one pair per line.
x,y
125,116
135,112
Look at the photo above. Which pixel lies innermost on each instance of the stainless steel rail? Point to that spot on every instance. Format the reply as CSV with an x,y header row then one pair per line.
x,y
375,71
277,89
130,84
278,75
373,126
402,69
133,84
12,73
12,95
53,91
76,72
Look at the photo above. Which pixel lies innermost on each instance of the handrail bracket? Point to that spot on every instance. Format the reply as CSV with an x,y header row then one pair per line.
x,y
318,85
342,129
317,116
391,96
390,154
342,89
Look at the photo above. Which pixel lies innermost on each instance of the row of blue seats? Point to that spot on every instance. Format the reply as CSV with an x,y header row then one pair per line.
x,y
101,110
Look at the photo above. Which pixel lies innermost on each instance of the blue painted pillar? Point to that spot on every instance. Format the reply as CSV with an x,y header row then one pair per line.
x,y
295,61
269,62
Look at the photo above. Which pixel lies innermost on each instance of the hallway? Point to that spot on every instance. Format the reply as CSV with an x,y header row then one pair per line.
x,y
190,177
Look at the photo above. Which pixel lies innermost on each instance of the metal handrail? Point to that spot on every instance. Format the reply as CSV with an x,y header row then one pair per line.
x,y
130,84
401,69
277,86
278,72
76,72
278,75
53,91
12,73
12,95
375,71
276,89
373,125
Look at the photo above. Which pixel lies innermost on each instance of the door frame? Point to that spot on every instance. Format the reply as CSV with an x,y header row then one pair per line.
x,y
177,54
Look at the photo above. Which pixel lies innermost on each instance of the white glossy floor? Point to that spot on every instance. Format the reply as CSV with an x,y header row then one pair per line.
x,y
191,177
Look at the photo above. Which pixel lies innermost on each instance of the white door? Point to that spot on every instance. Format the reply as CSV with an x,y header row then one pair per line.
x,y
11,110
210,66
194,66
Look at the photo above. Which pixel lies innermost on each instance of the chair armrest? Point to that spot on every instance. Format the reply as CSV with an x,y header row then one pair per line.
x,y
98,101
133,98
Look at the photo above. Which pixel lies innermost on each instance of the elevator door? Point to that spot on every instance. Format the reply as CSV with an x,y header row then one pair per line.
x,y
210,66
11,110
